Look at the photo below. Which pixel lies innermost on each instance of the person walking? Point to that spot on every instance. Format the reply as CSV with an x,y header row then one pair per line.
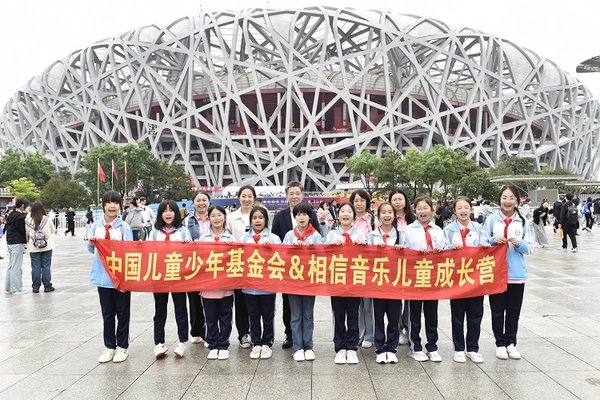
x,y
569,220
70,217
39,230
539,227
16,243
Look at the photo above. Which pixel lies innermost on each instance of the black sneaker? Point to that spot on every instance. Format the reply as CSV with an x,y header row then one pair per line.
x,y
49,289
287,343
36,290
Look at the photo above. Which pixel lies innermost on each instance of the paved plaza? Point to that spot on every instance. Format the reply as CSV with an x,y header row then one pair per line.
x,y
50,343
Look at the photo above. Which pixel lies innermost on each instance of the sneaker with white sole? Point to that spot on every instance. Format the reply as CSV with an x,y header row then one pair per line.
x,y
265,352
403,338
366,344
340,357
418,356
574,250
255,352
381,358
120,355
223,354
391,357
459,357
513,352
299,355
179,350
501,353
351,357
213,354
475,357
435,356
309,355
196,339
106,356
159,351
245,342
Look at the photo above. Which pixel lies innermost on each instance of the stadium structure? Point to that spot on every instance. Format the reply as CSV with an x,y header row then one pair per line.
x,y
265,96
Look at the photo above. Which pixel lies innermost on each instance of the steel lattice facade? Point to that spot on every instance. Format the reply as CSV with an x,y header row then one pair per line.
x,y
269,96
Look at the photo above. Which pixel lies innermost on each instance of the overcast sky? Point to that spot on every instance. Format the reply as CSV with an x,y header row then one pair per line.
x,y
35,33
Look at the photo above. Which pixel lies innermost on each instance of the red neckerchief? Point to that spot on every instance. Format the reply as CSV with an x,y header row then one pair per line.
x,y
463,235
428,237
507,222
107,231
385,236
301,236
256,238
168,232
347,238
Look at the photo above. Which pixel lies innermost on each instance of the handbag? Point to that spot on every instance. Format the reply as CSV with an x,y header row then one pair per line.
x,y
559,233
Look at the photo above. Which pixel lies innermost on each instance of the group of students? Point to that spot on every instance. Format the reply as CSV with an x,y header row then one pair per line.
x,y
398,224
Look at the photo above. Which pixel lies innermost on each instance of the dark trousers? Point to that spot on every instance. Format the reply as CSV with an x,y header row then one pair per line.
x,y
506,309
345,310
197,322
429,308
589,221
391,308
160,316
219,313
571,231
287,316
472,308
404,323
261,306
114,303
242,321
70,228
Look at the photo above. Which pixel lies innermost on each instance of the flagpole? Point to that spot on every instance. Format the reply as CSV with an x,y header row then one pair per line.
x,y
125,179
97,181
112,175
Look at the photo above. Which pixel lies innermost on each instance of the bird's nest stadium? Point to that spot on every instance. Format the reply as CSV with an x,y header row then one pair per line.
x,y
267,96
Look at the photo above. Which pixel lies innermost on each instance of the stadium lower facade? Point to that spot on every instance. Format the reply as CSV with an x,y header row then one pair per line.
x,y
265,97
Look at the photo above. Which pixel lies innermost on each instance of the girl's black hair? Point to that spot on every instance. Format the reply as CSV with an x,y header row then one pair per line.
x,y
204,192
515,192
262,211
303,208
460,198
426,199
159,224
249,187
386,203
409,215
349,204
219,209
37,213
363,194
112,196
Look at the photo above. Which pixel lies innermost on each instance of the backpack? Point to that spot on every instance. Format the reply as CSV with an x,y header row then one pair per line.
x,y
135,219
40,240
572,214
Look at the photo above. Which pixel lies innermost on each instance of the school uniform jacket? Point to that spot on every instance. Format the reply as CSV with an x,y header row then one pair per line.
x,y
414,236
119,230
266,238
474,238
210,237
282,223
314,238
355,235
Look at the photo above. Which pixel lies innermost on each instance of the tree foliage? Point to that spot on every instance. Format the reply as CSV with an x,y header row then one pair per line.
x,y
33,166
61,193
366,165
23,187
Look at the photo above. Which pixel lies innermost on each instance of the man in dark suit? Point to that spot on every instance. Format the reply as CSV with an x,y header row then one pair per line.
x,y
283,223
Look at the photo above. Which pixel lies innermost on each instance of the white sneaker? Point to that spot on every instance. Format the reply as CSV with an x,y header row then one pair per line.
x,y
418,356
574,250
459,357
22,291
120,355
299,355
245,342
403,339
265,352
196,339
340,357
351,357
435,356
213,354
159,351
475,357
513,352
391,358
501,353
106,356
179,350
381,358
255,353
223,354
366,344
309,355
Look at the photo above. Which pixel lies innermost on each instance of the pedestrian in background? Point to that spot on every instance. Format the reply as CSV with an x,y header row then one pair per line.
x,y
40,229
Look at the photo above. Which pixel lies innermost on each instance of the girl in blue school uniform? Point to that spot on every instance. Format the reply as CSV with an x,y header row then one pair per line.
x,y
425,236
169,228
302,321
218,304
463,232
261,304
345,309
508,226
113,302
386,235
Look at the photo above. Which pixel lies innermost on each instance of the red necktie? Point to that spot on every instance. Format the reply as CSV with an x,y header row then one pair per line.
x,y
463,234
507,222
385,238
107,231
301,236
428,237
347,238
217,238
256,238
167,234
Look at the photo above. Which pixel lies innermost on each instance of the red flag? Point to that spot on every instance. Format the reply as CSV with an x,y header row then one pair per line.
x,y
114,171
101,174
125,171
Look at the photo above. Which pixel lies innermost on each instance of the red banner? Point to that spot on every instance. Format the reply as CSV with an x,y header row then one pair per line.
x,y
327,270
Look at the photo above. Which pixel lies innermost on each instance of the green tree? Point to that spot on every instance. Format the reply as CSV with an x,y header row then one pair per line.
x,y
23,187
62,193
33,166
513,165
476,184
392,173
414,167
366,165
171,183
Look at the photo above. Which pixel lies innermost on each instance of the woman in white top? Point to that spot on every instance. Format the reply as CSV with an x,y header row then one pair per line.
x,y
41,257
